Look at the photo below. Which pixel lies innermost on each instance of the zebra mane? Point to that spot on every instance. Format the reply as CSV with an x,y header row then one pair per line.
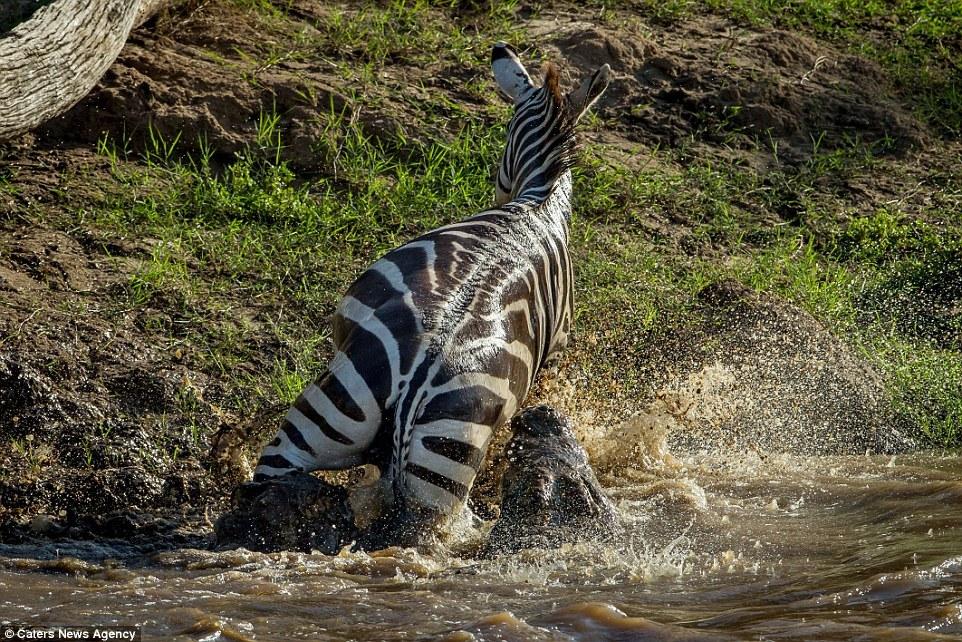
x,y
552,81
567,155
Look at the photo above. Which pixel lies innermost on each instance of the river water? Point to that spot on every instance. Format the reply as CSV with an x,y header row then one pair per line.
x,y
741,546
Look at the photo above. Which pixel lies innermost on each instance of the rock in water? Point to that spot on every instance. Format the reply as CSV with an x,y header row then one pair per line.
x,y
549,494
296,512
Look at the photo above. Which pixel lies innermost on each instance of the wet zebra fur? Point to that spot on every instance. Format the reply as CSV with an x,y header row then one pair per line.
x,y
439,341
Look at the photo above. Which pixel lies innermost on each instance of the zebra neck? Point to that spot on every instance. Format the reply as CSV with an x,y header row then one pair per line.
x,y
550,201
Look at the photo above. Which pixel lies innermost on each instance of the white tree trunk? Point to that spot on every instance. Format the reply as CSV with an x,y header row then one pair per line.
x,y
55,58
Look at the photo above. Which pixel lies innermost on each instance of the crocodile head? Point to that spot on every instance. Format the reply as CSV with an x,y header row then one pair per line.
x,y
549,494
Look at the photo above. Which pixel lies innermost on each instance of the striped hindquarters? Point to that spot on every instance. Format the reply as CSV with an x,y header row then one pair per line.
x,y
503,323
439,342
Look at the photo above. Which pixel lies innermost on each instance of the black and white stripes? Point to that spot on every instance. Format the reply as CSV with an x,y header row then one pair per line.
x,y
440,340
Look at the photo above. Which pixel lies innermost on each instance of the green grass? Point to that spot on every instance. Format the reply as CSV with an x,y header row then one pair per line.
x,y
912,281
364,37
255,232
7,187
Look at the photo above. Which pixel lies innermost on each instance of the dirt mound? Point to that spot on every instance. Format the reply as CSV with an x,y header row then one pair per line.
x,y
711,82
296,512
760,373
83,431
187,85
765,92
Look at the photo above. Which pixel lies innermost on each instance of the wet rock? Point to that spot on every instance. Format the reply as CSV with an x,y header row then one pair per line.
x,y
113,489
294,512
20,389
120,524
45,525
139,390
549,493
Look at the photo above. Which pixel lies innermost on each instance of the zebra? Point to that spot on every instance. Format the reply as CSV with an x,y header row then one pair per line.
x,y
438,342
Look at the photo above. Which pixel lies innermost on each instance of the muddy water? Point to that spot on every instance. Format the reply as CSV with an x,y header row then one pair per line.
x,y
740,547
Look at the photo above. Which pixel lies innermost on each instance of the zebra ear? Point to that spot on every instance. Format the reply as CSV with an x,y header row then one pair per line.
x,y
582,98
512,78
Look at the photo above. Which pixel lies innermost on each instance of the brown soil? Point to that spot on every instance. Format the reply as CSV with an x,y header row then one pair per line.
x,y
98,397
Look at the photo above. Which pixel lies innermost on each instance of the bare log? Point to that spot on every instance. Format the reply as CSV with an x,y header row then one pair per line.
x,y
55,58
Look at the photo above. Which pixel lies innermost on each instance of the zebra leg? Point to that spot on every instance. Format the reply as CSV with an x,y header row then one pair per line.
x,y
442,460
329,427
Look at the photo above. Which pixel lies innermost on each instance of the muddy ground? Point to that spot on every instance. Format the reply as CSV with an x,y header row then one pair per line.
x,y
111,425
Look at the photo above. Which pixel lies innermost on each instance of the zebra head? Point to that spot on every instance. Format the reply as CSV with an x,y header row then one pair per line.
x,y
541,141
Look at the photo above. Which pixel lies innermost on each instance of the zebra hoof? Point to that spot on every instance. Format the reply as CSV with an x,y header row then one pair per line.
x,y
296,512
549,494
